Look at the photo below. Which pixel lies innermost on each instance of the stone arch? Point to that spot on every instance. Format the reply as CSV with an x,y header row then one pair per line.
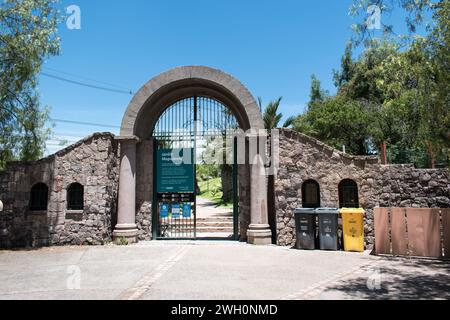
x,y
348,194
311,194
143,112
183,82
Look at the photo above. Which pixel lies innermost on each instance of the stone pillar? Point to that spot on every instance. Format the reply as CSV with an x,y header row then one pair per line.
x,y
126,217
259,232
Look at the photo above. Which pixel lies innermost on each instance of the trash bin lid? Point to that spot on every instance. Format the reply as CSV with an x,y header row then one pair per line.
x,y
327,210
353,210
304,211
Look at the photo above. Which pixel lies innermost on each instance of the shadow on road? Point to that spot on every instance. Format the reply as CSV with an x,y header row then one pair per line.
x,y
399,279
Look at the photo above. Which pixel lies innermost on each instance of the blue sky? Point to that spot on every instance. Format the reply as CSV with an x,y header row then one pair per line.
x,y
273,47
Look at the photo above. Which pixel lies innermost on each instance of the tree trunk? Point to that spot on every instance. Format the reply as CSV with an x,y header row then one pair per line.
x,y
383,153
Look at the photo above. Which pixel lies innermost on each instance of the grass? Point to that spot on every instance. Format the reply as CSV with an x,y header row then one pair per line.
x,y
212,190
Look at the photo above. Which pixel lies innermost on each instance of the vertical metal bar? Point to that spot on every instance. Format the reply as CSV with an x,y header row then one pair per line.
x,y
208,117
164,123
201,118
216,117
195,165
235,193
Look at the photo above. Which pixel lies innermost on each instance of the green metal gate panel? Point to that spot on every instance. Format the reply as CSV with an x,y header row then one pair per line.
x,y
181,130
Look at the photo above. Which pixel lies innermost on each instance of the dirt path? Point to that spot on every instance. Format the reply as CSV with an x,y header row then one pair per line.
x,y
206,209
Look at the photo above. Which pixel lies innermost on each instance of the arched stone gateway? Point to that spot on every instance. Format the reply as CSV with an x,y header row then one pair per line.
x,y
141,116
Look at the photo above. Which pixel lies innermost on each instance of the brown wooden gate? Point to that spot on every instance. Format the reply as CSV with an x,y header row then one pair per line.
x,y
412,232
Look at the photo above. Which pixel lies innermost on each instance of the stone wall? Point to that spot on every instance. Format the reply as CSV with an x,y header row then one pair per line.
x,y
93,163
405,186
303,158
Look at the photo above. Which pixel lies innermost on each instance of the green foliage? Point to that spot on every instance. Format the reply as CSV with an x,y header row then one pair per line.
x,y
28,35
344,76
272,117
317,94
437,48
393,95
212,190
338,122
122,241
207,171
289,122
415,11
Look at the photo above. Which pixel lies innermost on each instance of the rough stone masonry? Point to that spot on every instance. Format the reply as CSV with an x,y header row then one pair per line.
x,y
303,158
91,162
94,162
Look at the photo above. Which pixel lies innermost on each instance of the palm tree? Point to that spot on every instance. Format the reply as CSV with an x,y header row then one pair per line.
x,y
289,122
271,116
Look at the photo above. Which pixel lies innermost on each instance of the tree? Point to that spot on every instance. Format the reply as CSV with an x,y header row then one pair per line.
x,y
390,94
415,14
437,47
317,94
343,77
338,121
289,122
416,86
28,35
363,84
361,116
271,117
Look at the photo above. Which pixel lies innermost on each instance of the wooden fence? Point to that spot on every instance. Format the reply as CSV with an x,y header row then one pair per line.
x,y
412,232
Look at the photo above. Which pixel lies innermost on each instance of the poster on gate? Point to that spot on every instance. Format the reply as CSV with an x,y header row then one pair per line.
x,y
164,211
187,210
176,211
175,170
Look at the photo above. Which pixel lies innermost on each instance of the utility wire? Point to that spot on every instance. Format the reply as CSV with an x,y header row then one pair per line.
x,y
86,78
85,84
85,123
70,135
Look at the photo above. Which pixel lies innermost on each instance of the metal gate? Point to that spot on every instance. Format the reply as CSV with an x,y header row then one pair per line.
x,y
188,124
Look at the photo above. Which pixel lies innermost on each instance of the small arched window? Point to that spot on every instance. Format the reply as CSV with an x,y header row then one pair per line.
x,y
311,194
348,194
75,197
39,197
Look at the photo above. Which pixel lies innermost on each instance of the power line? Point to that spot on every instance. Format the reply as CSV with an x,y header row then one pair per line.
x,y
63,138
85,84
86,78
70,135
85,123
59,142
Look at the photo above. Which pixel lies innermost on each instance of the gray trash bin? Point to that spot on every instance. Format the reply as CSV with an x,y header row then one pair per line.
x,y
305,223
328,228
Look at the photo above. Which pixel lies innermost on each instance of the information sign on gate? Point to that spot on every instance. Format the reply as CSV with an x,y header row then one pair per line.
x,y
175,170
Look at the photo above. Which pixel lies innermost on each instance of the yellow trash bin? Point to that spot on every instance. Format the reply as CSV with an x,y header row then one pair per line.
x,y
353,229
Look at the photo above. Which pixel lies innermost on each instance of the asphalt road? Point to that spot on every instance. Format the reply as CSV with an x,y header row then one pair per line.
x,y
214,270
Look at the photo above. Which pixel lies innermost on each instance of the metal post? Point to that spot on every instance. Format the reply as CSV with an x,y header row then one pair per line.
x,y
235,193
195,165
